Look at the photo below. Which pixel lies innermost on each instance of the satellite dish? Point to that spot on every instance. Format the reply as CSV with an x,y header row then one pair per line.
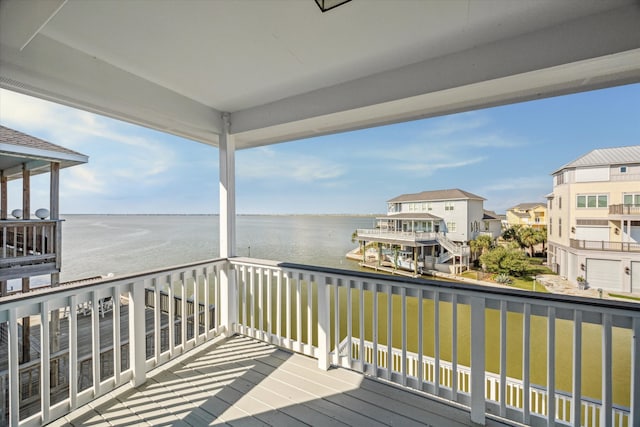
x,y
17,213
42,213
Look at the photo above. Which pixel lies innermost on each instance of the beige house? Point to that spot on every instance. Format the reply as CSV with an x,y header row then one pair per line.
x,y
594,219
528,214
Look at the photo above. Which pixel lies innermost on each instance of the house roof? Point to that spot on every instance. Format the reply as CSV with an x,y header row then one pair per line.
x,y
606,157
281,70
437,195
488,215
18,148
520,214
528,206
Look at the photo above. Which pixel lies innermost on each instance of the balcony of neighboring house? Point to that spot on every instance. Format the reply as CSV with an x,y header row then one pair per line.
x,y
250,341
625,211
396,236
603,245
29,248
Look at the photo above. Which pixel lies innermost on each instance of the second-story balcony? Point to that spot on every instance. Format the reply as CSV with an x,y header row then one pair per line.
x,y
29,248
603,245
402,237
625,210
486,355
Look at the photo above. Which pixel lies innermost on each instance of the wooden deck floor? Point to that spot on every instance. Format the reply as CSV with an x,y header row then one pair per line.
x,y
243,382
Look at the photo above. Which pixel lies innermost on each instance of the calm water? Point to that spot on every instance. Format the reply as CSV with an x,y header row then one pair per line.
x,y
94,245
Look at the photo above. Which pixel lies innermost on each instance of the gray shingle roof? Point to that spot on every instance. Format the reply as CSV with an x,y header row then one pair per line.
x,y
451,194
14,137
416,216
605,157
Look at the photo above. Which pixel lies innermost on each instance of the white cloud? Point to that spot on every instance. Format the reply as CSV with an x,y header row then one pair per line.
x,y
266,162
514,183
83,180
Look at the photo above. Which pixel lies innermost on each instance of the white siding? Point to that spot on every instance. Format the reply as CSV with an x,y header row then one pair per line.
x,y
635,276
604,273
592,174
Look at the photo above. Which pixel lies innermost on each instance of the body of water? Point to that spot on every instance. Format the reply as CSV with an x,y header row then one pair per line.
x,y
94,245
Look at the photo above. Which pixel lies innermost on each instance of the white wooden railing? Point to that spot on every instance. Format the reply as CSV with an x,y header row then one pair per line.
x,y
514,387
330,314
140,314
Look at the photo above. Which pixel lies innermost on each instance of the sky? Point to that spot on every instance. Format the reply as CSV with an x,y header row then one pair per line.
x,y
504,154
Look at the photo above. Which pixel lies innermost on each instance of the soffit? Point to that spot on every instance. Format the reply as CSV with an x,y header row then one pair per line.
x,y
286,71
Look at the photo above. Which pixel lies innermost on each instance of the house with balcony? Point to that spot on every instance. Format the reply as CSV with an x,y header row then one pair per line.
x,y
240,75
528,214
433,228
594,219
30,239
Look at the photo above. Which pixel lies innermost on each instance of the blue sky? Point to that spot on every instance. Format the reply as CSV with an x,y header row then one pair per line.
x,y
504,154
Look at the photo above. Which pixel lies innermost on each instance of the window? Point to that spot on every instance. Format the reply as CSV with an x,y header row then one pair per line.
x,y
559,227
486,226
623,169
550,225
448,206
592,201
451,227
631,199
559,202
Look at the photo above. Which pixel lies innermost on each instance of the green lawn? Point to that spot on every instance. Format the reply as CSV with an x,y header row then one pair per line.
x,y
526,282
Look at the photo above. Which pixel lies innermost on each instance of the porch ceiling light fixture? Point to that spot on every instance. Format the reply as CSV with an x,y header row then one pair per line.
x,y
326,5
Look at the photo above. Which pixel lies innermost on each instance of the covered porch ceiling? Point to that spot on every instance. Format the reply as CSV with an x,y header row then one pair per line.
x,y
284,70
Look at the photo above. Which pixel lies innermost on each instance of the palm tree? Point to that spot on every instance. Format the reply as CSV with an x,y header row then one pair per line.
x,y
529,237
481,244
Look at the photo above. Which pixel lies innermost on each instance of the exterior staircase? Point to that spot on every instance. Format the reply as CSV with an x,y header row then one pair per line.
x,y
453,248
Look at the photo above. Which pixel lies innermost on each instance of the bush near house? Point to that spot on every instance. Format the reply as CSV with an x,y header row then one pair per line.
x,y
507,260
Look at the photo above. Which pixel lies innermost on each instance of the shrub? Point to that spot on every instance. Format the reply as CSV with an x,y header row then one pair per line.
x,y
507,260
503,279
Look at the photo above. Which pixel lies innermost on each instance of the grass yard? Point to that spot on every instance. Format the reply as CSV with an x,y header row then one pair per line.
x,y
525,283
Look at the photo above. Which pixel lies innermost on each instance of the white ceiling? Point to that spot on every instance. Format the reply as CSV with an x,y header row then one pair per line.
x,y
284,70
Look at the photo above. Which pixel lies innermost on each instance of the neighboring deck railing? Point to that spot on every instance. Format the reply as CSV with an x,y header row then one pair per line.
x,y
33,244
603,245
624,210
428,327
331,314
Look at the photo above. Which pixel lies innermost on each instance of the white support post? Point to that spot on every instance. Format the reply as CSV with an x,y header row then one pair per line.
x,y
324,322
14,378
227,227
137,341
478,405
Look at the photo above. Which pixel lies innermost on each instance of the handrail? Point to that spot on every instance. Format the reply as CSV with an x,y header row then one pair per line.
x,y
189,285
339,299
624,209
603,245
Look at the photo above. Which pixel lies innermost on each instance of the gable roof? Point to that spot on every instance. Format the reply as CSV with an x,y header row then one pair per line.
x,y
528,205
606,157
436,195
18,148
488,215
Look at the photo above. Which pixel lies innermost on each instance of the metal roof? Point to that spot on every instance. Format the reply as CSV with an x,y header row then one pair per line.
x,y
606,157
17,149
437,195
282,70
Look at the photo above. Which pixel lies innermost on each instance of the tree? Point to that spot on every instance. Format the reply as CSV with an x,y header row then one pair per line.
x,y
481,244
528,237
511,233
507,260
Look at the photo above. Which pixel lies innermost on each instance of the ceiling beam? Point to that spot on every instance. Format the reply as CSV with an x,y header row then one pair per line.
x,y
51,70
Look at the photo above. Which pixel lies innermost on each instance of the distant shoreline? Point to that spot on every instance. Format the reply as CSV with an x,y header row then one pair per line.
x,y
243,214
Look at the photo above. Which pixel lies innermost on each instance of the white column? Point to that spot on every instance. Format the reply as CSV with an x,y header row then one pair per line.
x,y
227,227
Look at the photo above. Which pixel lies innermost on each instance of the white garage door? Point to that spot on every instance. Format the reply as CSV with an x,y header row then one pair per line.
x,y
604,273
592,233
635,277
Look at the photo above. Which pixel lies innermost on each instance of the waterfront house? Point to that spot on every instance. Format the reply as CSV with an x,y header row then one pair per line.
x,y
240,74
434,227
594,219
528,214
31,245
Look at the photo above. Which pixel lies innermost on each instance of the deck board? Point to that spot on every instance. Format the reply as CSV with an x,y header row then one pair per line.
x,y
244,382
